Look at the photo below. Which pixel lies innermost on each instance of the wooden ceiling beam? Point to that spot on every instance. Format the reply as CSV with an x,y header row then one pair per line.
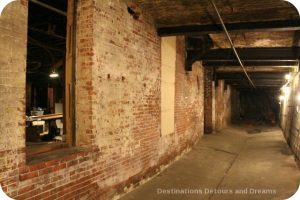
x,y
258,81
273,54
271,63
261,87
258,26
276,75
253,69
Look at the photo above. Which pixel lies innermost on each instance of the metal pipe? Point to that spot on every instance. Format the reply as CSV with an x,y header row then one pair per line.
x,y
49,7
231,43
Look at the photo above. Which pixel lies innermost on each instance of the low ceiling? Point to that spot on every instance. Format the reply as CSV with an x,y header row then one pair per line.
x,y
266,33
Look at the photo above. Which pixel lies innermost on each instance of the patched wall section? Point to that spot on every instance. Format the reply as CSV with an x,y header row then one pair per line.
x,y
168,62
189,99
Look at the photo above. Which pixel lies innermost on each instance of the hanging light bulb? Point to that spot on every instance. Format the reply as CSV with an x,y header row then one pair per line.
x,y
281,97
53,74
288,77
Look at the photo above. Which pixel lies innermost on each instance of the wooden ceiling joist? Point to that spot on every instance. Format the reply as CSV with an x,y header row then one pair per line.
x,y
259,26
271,63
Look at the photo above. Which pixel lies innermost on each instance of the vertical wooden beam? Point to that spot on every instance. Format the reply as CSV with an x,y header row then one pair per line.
x,y
68,117
51,100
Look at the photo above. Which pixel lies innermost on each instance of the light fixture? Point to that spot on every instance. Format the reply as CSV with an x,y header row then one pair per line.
x,y
281,97
288,77
298,97
53,74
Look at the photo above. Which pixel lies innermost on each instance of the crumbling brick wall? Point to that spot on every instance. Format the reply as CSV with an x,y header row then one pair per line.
x,y
208,100
189,98
117,106
222,105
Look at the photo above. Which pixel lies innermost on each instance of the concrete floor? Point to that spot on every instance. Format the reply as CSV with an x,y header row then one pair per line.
x,y
232,164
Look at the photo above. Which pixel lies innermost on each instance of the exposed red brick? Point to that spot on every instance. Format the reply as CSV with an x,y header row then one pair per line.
x,y
26,189
118,118
45,171
37,166
28,175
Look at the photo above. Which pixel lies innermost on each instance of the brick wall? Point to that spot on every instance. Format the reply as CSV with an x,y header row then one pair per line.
x,y
217,103
208,100
117,106
85,62
189,99
222,105
289,117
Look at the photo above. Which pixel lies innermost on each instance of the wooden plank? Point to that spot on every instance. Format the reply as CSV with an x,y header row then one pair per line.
x,y
47,117
51,99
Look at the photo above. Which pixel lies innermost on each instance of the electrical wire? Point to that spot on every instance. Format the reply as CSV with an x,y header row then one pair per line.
x,y
231,43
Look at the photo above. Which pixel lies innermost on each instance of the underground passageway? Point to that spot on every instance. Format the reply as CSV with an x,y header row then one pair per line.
x,y
240,162
143,99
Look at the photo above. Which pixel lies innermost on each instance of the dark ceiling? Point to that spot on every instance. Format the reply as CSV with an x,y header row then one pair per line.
x,y
265,33
46,38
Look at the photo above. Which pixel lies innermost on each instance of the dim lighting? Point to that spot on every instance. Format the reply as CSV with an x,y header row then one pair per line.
x,y
53,74
298,97
288,77
286,91
281,97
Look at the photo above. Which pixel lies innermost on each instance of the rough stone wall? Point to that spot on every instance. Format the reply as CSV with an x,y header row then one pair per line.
x,y
117,107
222,106
290,117
189,100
